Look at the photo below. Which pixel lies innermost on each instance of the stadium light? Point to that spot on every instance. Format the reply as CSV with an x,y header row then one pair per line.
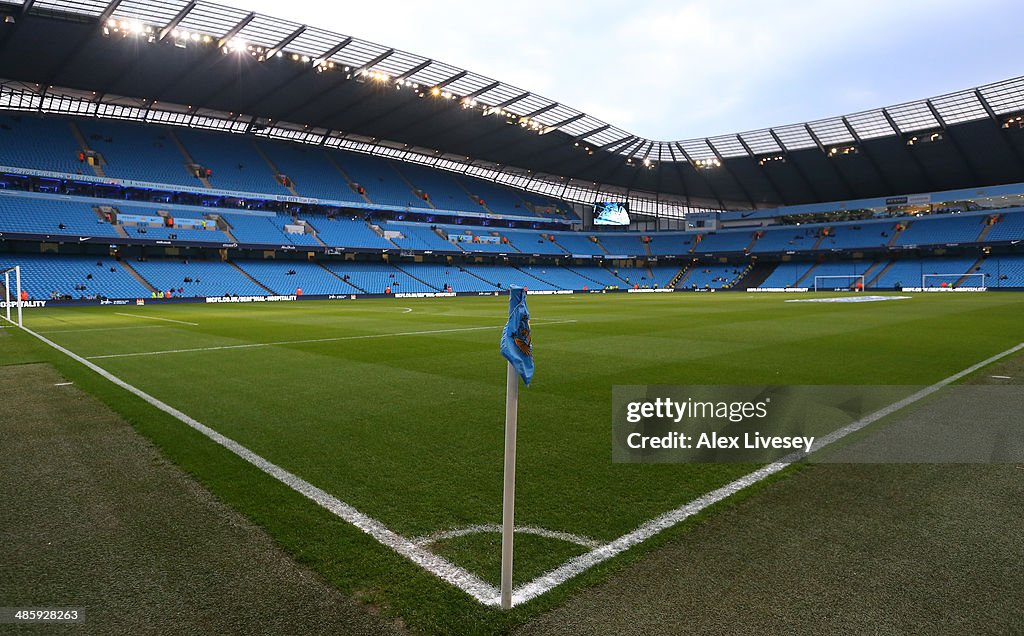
x,y
707,164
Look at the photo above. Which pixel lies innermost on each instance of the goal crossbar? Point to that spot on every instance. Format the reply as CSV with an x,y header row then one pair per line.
x,y
847,277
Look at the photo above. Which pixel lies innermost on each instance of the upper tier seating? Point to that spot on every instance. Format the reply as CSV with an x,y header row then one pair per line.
x,y
382,183
140,153
234,161
722,242
311,173
942,230
27,141
28,215
343,231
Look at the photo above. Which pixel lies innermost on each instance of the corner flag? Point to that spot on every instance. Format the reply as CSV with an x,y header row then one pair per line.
x,y
517,347
516,341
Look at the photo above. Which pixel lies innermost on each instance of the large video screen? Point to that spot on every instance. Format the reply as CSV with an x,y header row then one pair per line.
x,y
611,213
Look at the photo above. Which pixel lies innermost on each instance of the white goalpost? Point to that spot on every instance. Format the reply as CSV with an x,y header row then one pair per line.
x,y
16,270
974,281
852,280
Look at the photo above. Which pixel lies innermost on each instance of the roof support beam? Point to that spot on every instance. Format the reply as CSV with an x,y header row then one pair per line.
x,y
416,69
913,157
867,154
453,78
678,165
77,49
541,110
725,167
964,157
331,52
235,30
480,91
374,62
839,173
703,177
107,12
1002,131
796,167
611,144
513,100
176,20
767,175
274,50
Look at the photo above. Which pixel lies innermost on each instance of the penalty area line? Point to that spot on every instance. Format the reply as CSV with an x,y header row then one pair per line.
x,y
578,565
438,566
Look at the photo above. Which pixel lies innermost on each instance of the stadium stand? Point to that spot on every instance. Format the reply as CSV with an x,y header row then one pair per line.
x,y
197,278
39,143
940,231
310,171
532,242
233,160
418,236
287,277
73,277
501,277
578,243
50,215
622,244
375,278
724,242
382,183
710,277
343,231
133,151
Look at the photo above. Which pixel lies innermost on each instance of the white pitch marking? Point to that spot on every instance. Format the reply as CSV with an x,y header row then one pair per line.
x,y
102,329
313,340
582,563
180,322
436,565
406,310
568,537
63,383
1002,377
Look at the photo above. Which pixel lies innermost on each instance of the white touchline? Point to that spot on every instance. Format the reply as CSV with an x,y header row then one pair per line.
x,y
468,582
253,345
580,564
436,565
63,383
180,322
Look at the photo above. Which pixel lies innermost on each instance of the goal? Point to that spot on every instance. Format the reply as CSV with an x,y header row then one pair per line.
x,y
16,300
949,281
849,282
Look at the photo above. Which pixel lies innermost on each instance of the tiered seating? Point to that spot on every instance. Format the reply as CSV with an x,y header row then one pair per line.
x,y
560,277
417,236
132,151
310,171
1011,228
671,244
942,230
484,248
374,278
1004,271
286,277
908,273
499,200
445,193
842,268
786,240
663,274
348,232
858,235
786,274
531,242
382,184
234,161
176,234
622,244
42,275
438,276
502,276
209,278
33,142
722,242
711,276
577,243
29,215
599,277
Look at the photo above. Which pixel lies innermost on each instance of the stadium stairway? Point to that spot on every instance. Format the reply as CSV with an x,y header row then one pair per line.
x,y
869,272
680,276
817,243
246,274
189,161
412,188
800,280
84,145
346,177
335,274
871,281
755,275
131,270
750,246
987,227
896,233
973,269
414,277
273,168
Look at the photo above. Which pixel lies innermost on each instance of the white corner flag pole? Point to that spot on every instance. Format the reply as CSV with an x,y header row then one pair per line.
x,y
17,283
508,501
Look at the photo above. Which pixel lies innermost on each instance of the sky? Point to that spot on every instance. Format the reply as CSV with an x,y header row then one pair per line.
x,y
671,70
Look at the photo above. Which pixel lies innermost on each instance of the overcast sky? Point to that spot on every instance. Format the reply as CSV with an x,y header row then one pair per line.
x,y
671,70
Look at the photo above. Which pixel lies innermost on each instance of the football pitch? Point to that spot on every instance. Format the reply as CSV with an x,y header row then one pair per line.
x,y
393,410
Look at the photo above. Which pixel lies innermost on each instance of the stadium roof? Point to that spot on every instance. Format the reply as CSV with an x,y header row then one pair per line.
x,y
192,58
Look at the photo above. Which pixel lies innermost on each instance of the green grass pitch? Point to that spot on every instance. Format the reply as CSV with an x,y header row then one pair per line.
x,y
396,407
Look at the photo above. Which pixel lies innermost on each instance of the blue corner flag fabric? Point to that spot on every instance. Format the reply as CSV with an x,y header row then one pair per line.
x,y
516,341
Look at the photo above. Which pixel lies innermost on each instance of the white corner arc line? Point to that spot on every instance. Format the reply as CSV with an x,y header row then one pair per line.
x,y
580,564
180,322
568,537
436,565
253,345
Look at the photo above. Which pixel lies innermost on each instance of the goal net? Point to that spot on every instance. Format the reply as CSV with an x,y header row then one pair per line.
x,y
854,282
12,296
953,281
